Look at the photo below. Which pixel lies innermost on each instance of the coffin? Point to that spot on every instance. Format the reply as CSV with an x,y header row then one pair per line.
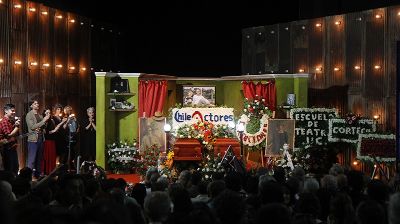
x,y
222,144
187,149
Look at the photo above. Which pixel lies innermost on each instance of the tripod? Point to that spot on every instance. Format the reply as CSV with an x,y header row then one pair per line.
x,y
377,167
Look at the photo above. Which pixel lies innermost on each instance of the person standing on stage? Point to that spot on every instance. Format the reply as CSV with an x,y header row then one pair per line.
x,y
59,136
9,128
71,129
35,122
49,148
88,151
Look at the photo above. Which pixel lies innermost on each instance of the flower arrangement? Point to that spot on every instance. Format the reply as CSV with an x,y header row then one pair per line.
x,y
122,156
206,132
166,166
254,111
223,131
352,119
256,107
202,131
149,159
211,166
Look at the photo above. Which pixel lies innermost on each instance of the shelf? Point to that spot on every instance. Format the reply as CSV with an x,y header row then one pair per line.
x,y
121,94
123,110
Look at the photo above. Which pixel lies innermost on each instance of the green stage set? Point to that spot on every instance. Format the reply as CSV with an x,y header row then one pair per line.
x,y
122,124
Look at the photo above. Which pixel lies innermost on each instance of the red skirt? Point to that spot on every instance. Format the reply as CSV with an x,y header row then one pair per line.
x,y
49,156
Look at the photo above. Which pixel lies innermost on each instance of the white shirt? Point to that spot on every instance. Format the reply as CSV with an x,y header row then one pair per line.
x,y
199,99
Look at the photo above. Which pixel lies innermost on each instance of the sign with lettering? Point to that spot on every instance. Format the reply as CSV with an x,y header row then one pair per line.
x,y
312,125
190,115
341,131
382,147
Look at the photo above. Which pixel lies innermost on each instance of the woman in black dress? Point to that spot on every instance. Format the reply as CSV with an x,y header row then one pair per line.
x,y
88,151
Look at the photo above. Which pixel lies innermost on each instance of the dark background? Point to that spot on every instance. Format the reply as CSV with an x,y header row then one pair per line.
x,y
196,38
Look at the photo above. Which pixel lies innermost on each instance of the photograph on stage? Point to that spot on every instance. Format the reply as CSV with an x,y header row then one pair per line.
x,y
151,132
198,96
280,131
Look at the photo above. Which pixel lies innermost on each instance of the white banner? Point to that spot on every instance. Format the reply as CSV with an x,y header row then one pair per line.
x,y
190,115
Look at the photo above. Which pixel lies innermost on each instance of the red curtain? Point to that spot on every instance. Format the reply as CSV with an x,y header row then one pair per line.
x,y
266,91
152,94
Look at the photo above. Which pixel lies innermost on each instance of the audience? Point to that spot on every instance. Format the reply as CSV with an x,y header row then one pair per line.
x,y
292,198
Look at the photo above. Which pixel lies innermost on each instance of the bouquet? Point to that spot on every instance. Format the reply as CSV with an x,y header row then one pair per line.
x,y
149,159
122,156
211,166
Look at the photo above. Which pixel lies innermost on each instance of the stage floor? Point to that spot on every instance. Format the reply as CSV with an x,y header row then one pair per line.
x,y
130,178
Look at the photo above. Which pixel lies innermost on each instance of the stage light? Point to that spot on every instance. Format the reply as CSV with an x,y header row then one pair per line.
x,y
378,16
71,67
82,23
318,24
17,6
301,70
377,67
336,69
1,61
46,65
357,67
398,13
59,16
32,9
376,117
33,63
355,163
18,62
167,127
83,69
318,69
72,21
59,66
44,13
338,23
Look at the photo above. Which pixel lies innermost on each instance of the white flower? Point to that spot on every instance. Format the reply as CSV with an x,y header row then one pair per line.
x,y
307,156
254,107
246,98
181,136
244,110
187,129
215,170
206,176
263,100
258,103
226,136
256,95
189,136
248,105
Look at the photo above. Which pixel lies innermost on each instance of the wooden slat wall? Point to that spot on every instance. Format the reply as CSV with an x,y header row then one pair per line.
x,y
361,39
271,48
5,78
316,53
32,36
284,49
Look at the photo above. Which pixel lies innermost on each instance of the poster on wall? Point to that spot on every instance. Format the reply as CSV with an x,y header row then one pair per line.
x,y
151,132
280,132
312,125
198,96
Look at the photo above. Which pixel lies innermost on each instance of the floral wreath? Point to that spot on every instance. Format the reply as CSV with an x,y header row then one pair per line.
x,y
255,119
376,137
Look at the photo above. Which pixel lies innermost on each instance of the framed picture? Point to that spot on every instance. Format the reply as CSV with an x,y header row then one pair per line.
x,y
280,131
112,102
118,105
151,132
198,96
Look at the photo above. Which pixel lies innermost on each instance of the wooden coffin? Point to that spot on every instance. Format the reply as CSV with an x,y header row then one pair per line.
x,y
222,144
187,149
